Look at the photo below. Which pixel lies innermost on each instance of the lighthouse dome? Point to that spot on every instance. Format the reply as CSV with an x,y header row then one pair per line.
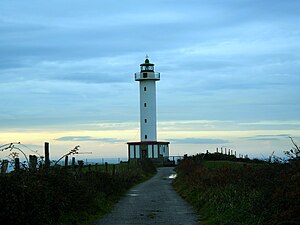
x,y
147,66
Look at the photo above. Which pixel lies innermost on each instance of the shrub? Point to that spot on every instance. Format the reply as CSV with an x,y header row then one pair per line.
x,y
61,196
247,194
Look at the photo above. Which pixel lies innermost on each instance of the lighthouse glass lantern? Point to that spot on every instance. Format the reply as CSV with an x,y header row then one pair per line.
x,y
148,146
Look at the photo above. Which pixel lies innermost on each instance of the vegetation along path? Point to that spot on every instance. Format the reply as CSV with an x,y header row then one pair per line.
x,y
152,202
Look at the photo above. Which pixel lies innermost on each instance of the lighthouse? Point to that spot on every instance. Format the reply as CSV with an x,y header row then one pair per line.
x,y
148,146
147,81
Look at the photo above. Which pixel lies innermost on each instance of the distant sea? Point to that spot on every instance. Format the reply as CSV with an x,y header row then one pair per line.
x,y
88,161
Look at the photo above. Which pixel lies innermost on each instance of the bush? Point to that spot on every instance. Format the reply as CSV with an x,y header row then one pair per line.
x,y
245,194
62,196
148,166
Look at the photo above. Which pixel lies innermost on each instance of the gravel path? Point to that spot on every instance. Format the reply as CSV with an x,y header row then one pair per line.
x,y
152,202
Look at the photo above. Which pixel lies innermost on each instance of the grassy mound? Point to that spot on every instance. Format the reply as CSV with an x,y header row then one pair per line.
x,y
241,193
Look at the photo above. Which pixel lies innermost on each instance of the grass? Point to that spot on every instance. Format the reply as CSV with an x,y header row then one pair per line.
x,y
145,170
240,193
222,164
230,164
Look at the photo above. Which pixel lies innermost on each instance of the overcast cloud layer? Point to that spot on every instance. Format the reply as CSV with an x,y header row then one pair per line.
x,y
232,64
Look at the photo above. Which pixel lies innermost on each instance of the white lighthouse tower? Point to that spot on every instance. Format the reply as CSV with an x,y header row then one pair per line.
x,y
148,147
147,78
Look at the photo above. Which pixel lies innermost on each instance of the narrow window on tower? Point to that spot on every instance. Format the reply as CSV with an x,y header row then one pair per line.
x,y
145,89
145,120
145,104
144,75
145,136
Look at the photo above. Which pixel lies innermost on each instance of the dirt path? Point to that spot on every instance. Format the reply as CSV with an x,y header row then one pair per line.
x,y
152,202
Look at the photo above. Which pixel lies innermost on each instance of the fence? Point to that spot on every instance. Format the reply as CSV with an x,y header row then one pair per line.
x,y
34,162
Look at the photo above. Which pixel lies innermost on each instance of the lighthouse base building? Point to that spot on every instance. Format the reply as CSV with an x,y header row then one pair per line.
x,y
148,147
154,150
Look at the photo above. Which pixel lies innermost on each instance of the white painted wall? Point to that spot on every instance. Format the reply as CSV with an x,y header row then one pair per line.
x,y
148,112
163,151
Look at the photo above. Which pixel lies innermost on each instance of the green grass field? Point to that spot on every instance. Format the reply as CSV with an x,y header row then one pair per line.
x,y
240,193
230,164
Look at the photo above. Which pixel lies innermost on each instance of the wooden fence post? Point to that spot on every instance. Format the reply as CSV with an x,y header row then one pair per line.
x,y
73,163
4,166
80,166
114,170
66,161
47,159
106,167
32,162
17,164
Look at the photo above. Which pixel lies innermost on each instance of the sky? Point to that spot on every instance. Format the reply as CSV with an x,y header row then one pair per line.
x,y
229,74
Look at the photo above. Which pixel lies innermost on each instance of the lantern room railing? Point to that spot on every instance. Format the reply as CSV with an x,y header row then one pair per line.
x,y
147,76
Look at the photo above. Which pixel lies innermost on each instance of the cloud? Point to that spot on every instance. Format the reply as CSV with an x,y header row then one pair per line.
x,y
64,66
272,124
268,137
265,139
198,141
89,138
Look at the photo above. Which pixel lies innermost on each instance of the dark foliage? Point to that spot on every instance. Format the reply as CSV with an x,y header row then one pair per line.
x,y
50,196
147,166
241,193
